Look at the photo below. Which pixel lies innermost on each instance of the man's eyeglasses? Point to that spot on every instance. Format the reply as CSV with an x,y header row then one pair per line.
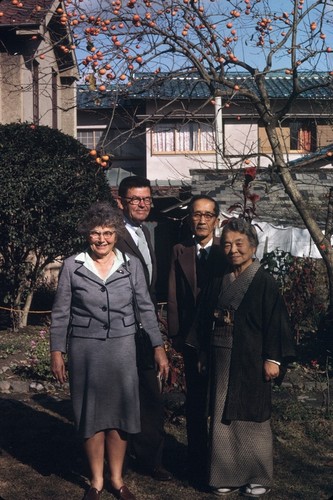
x,y
95,235
205,215
135,200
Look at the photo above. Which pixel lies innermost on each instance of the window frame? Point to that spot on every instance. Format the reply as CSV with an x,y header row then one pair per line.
x,y
81,129
311,127
285,135
175,126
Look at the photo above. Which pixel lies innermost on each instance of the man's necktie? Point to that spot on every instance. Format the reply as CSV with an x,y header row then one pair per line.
x,y
203,255
143,247
201,264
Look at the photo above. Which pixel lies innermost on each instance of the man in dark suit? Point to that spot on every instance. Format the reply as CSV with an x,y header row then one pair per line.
x,y
135,200
193,263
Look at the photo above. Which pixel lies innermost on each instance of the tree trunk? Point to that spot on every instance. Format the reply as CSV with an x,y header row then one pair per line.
x,y
25,310
19,316
323,244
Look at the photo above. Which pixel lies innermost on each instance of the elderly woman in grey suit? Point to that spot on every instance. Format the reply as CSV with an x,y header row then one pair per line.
x,y
93,320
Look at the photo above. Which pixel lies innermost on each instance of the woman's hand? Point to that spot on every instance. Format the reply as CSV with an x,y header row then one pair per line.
x,y
58,366
162,362
271,370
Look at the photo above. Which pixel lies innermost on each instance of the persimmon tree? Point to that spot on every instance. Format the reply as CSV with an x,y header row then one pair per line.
x,y
48,179
215,39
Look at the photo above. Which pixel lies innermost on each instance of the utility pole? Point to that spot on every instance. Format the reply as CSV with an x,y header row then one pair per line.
x,y
218,131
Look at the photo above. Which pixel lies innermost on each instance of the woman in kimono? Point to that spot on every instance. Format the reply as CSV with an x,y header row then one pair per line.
x,y
250,342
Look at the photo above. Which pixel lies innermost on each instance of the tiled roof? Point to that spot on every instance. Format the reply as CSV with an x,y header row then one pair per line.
x,y
90,99
320,158
279,86
166,87
28,14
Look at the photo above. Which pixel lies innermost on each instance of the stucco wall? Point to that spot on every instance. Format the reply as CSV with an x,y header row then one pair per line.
x,y
16,87
12,81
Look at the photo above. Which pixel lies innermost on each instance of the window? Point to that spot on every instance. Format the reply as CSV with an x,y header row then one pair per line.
x,y
126,143
90,137
189,137
303,136
298,135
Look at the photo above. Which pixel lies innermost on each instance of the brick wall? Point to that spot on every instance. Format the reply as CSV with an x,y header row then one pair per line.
x,y
274,205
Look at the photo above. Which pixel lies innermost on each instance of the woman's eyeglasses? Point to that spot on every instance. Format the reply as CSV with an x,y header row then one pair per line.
x,y
96,235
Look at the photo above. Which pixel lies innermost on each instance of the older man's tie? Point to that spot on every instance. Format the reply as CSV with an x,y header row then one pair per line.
x,y
143,247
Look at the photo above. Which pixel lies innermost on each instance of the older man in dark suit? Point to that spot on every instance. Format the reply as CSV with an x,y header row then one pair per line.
x,y
135,200
193,263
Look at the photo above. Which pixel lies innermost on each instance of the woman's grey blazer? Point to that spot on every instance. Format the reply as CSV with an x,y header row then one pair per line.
x,y
86,306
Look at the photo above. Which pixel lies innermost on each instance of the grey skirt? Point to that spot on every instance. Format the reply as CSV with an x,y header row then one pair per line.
x,y
104,384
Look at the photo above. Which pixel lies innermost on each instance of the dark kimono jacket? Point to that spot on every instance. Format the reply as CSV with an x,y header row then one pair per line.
x,y
261,331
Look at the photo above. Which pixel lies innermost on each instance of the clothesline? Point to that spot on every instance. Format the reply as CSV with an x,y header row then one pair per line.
x,y
290,239
295,240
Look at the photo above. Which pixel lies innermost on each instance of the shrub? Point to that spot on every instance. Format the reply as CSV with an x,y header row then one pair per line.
x,y
48,179
297,278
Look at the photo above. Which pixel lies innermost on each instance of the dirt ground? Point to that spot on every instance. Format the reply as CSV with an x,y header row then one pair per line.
x,y
41,457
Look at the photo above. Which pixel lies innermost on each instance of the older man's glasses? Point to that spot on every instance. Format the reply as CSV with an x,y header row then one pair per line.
x,y
136,200
97,235
205,215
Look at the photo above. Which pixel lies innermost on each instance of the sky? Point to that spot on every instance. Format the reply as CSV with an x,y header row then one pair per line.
x,y
245,48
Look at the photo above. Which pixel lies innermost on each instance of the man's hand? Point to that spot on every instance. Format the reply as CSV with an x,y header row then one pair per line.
x,y
58,366
271,370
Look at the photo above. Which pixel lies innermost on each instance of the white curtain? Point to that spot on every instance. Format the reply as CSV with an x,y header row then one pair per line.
x,y
169,137
207,138
163,138
184,137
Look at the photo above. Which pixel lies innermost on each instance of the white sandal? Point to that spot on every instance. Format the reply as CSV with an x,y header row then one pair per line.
x,y
220,492
255,490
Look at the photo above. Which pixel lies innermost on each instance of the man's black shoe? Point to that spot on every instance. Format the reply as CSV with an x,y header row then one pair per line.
x,y
161,474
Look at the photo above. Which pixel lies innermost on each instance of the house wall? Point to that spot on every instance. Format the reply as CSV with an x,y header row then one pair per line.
x,y
45,87
12,80
174,166
241,137
16,85
67,111
65,89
